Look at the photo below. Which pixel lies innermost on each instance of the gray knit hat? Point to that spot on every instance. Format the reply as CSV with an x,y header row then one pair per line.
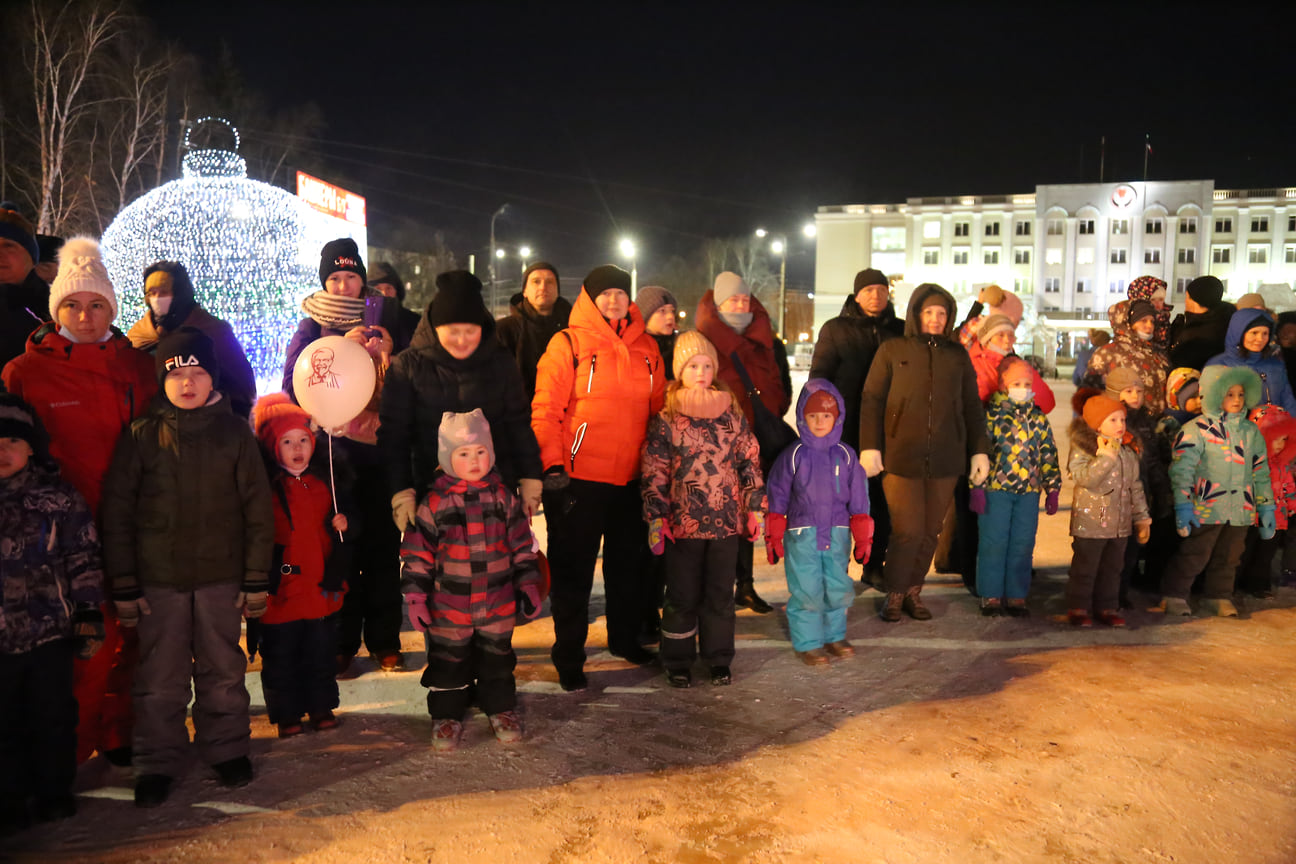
x,y
651,298
460,430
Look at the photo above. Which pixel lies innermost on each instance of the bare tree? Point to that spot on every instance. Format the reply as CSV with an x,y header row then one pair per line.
x,y
715,252
136,130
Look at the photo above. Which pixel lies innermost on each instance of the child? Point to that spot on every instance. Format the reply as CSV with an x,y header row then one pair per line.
x,y
1279,431
467,568
1023,463
818,503
1220,475
52,586
1108,501
702,491
299,629
1183,395
188,535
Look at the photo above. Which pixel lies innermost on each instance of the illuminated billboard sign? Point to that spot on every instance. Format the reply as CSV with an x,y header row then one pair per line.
x,y
331,200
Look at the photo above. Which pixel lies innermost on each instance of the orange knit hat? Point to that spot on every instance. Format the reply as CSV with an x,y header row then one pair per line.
x,y
274,416
1099,408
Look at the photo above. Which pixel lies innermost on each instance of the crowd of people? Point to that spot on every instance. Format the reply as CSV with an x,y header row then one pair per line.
x,y
153,510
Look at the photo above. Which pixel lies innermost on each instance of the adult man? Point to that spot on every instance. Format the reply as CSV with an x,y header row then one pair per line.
x,y
24,296
843,355
400,322
1198,334
536,314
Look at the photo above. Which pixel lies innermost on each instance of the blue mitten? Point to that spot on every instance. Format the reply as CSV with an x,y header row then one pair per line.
x,y
1185,519
1267,524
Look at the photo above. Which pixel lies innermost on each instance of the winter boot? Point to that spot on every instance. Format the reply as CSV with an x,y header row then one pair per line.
x,y
507,726
913,605
233,773
1219,608
747,598
890,611
446,734
151,790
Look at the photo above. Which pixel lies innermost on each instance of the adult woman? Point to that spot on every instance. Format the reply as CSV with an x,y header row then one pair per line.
x,y
169,294
597,385
1249,343
920,410
1134,347
87,384
739,327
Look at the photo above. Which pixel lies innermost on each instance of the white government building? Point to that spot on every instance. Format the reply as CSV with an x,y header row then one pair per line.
x,y
1067,250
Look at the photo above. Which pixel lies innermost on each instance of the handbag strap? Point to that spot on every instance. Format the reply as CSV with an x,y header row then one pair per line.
x,y
752,392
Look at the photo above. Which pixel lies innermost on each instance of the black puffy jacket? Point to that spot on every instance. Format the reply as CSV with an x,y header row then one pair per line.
x,y
526,334
424,382
844,352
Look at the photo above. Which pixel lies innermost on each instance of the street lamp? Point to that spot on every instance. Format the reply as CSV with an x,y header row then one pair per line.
x,y
494,253
778,246
809,229
524,253
628,250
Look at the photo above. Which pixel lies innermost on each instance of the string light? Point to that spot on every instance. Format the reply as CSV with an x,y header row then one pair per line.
x,y
251,249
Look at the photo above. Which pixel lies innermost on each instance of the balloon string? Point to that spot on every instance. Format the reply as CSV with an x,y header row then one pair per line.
x,y
333,480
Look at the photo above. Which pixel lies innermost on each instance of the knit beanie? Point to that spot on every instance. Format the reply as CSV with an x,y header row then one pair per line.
x,y
1099,408
728,284
13,226
458,300
1120,378
81,268
1207,291
542,265
341,254
822,402
382,272
687,344
187,346
651,298
1251,301
865,278
18,420
1140,309
460,430
992,325
274,416
605,278
1182,385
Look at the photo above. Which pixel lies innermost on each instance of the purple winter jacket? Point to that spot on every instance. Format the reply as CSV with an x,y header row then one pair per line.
x,y
818,482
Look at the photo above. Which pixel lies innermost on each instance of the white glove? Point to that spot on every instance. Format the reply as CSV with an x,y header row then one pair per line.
x,y
979,470
530,492
871,462
403,506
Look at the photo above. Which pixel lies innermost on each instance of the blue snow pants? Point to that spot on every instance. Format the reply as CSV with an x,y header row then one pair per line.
x,y
819,586
1007,544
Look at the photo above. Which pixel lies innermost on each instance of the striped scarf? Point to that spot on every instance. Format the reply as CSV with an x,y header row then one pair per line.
x,y
334,311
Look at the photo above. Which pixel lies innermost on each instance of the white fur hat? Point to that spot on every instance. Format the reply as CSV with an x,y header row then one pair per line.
x,y
81,268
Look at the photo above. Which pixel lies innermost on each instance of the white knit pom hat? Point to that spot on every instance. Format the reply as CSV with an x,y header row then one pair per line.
x,y
81,268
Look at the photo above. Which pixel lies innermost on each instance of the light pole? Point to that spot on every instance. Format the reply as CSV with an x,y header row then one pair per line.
x,y
524,253
494,253
629,251
778,245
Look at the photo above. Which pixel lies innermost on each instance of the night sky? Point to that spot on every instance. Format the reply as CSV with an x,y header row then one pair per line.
x,y
671,123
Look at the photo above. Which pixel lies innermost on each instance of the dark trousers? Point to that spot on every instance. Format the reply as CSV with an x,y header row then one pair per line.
x,y
1212,550
654,587
464,662
698,616
372,607
298,671
578,519
881,523
917,507
38,718
1156,553
1094,581
956,549
744,564
190,636
1255,574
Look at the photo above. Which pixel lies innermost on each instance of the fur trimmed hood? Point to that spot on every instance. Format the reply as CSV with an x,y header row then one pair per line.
x,y
1216,381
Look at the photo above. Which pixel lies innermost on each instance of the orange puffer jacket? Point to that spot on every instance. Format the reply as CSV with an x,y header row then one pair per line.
x,y
595,391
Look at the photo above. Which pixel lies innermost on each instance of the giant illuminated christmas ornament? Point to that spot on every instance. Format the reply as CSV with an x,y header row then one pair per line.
x,y
251,249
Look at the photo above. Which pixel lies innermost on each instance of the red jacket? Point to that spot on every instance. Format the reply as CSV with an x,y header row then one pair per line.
x,y
304,532
85,395
595,391
758,351
986,364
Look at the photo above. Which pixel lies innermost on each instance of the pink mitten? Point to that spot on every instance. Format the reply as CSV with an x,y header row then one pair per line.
x,y
420,615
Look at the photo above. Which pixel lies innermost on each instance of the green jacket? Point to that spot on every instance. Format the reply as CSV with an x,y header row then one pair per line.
x,y
187,503
1220,462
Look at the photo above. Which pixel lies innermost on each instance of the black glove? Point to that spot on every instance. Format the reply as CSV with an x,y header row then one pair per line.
x,y
556,491
88,631
556,479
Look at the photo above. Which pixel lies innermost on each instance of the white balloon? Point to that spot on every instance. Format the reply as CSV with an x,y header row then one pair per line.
x,y
334,380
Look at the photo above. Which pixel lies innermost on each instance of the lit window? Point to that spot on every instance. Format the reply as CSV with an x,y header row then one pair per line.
x,y
931,257
1084,256
1151,256
1220,254
1120,226
1118,256
1021,286
1082,286
1289,254
1021,255
1056,226
1118,287
960,256
1052,256
1181,285
1086,226
992,256
992,229
1153,226
1187,256
1188,225
1291,224
1257,254
932,229
1259,224
1223,226
961,229
1052,285
1023,229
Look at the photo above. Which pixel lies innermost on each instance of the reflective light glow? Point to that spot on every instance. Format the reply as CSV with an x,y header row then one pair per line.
x,y
627,247
810,230
777,247
525,251
499,253
251,249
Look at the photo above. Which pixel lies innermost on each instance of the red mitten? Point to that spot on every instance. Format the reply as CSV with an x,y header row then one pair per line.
x,y
775,528
420,616
528,599
861,526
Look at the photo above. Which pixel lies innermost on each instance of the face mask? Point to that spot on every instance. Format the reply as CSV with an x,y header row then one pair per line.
x,y
1146,337
995,349
1021,394
161,305
737,321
